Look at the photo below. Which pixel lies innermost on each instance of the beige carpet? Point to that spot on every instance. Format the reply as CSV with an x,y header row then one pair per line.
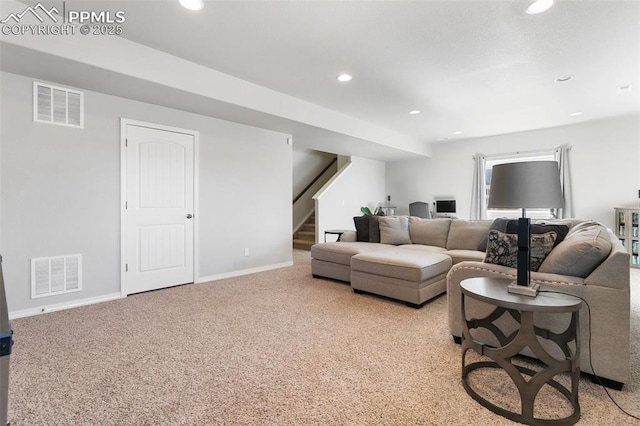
x,y
274,348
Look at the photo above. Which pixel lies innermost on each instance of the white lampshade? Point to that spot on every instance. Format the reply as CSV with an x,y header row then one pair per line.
x,y
529,184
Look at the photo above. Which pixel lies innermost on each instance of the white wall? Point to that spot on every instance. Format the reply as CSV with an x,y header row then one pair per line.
x,y
604,167
60,192
359,183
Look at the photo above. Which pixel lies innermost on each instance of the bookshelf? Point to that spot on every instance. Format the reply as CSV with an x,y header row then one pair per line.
x,y
628,232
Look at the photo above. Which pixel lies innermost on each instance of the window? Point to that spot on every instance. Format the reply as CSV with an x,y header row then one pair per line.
x,y
514,158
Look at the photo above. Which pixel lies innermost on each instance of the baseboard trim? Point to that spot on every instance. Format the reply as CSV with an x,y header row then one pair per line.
x,y
243,272
44,309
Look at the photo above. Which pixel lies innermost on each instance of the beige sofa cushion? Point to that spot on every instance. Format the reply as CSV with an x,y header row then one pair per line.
x,y
342,252
584,248
394,230
458,256
466,235
424,249
408,265
429,232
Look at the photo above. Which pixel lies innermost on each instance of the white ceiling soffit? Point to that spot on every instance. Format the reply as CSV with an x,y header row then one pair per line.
x,y
472,66
135,63
18,60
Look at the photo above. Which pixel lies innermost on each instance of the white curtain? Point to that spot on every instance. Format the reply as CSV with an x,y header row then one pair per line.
x,y
562,157
478,190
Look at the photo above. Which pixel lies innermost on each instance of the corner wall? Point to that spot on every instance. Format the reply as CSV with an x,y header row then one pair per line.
x,y
604,165
359,183
60,193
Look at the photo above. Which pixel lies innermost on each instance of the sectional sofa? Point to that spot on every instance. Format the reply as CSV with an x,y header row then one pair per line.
x,y
407,260
414,260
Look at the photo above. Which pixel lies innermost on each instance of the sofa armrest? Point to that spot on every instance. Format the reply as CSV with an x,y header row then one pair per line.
x,y
613,272
470,269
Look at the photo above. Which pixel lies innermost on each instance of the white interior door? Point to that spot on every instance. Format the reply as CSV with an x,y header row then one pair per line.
x,y
159,248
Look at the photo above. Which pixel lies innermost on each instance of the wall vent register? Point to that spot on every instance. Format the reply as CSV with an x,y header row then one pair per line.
x,y
58,105
56,275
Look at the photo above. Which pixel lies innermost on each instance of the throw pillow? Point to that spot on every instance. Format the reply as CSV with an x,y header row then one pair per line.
x,y
430,232
499,224
580,253
541,228
374,229
362,228
502,249
582,226
541,246
394,230
466,234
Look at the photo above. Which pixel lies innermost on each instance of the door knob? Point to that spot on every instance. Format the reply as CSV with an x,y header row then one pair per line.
x,y
189,216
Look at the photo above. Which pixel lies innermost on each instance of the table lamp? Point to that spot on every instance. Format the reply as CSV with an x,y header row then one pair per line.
x,y
529,184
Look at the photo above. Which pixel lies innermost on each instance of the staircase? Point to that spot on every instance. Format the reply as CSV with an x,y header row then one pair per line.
x,y
305,237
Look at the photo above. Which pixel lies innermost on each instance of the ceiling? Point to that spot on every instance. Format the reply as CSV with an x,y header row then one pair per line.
x,y
477,67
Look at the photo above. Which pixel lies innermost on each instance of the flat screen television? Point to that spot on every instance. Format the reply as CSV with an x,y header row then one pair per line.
x,y
445,206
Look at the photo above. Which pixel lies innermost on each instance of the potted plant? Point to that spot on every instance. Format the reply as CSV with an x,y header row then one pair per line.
x,y
376,212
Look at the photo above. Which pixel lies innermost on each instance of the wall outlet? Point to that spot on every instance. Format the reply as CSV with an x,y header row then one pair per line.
x,y
246,252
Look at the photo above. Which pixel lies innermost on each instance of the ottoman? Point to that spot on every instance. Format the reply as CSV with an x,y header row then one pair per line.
x,y
411,276
333,260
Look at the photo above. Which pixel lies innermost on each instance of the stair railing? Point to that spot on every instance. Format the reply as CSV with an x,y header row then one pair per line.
x,y
306,188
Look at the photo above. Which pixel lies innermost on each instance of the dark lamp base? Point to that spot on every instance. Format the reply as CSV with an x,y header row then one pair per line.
x,y
524,290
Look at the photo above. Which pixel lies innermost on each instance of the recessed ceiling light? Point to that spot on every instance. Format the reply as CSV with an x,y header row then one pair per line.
x,y
575,114
192,4
457,133
538,6
564,78
442,139
625,89
344,78
415,112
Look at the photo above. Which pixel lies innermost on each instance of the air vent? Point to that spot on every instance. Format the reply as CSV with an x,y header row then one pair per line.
x,y
58,105
56,275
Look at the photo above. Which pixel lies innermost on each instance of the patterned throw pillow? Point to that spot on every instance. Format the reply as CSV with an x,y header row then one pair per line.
x,y
541,228
499,224
502,249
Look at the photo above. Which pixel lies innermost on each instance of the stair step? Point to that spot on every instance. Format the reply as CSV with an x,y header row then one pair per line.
x,y
303,244
305,237
310,235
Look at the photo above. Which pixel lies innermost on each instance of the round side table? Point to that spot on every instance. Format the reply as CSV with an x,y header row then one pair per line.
x,y
522,308
337,232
